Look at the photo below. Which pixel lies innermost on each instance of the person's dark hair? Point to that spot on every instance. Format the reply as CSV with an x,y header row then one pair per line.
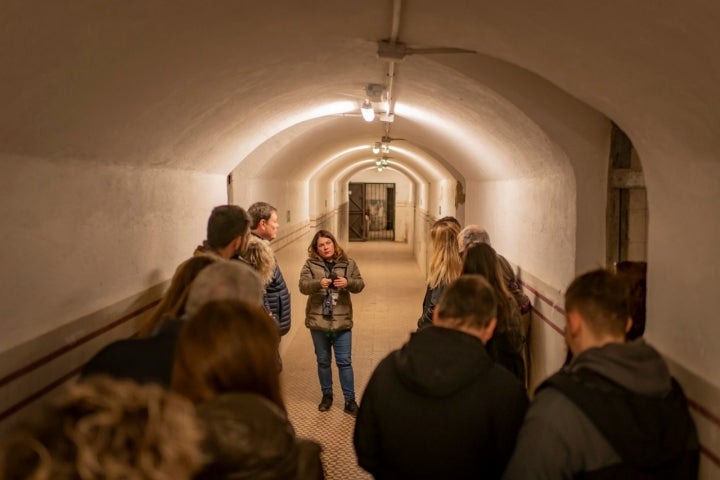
x,y
107,428
635,276
173,302
481,259
228,346
601,299
226,223
260,211
312,248
469,300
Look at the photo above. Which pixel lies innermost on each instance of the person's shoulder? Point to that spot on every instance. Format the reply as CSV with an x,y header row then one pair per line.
x,y
113,356
552,406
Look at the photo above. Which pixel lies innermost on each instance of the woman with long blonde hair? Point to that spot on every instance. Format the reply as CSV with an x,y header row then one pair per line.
x,y
445,266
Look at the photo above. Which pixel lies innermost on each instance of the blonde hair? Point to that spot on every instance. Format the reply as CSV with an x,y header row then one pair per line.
x,y
261,257
110,429
445,261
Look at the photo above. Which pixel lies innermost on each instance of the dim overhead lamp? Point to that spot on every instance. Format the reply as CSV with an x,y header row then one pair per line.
x,y
376,148
368,113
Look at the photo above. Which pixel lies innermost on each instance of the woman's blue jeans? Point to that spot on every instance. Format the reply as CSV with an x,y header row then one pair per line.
x,y
341,342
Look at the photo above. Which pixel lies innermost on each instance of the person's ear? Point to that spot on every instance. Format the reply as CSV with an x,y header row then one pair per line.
x,y
489,330
574,323
628,324
435,316
241,243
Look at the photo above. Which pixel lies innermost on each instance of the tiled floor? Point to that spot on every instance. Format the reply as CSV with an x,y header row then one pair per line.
x,y
384,313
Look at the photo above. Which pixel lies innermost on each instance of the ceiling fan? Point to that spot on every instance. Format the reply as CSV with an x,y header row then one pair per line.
x,y
397,51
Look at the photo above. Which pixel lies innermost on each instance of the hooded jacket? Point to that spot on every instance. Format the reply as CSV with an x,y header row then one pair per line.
x,y
613,412
439,408
311,274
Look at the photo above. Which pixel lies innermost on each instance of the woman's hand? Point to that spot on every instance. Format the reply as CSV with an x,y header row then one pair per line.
x,y
340,282
325,282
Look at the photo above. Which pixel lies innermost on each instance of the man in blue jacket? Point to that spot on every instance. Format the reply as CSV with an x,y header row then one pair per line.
x,y
264,224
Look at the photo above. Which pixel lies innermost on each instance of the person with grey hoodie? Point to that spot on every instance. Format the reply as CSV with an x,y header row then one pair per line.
x,y
614,411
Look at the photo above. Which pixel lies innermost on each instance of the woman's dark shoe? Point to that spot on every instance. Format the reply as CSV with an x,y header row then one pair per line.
x,y
351,407
325,403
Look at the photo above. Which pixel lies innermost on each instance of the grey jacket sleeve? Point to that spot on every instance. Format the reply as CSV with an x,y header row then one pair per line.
x,y
556,441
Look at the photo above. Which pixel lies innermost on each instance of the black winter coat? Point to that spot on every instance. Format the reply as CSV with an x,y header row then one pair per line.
x,y
439,408
144,360
277,298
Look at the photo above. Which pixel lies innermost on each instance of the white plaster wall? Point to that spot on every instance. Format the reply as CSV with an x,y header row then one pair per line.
x,y
285,195
441,198
531,222
79,236
683,260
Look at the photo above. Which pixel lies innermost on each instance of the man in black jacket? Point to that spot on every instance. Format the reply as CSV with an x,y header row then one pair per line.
x,y
440,407
264,224
614,412
228,230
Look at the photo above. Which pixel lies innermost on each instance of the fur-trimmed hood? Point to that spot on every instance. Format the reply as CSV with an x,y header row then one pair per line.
x,y
261,257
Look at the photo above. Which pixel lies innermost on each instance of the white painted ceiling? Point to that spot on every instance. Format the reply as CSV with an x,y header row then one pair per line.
x,y
190,84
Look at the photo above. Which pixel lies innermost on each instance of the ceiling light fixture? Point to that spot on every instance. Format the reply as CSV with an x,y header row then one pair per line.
x,y
367,110
376,148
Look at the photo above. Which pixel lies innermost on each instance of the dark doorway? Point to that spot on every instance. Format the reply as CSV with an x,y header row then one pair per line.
x,y
371,214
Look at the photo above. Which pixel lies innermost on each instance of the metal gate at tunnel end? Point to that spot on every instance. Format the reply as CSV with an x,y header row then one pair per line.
x,y
371,214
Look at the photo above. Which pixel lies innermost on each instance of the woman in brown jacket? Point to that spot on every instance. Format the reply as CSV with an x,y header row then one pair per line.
x,y
328,278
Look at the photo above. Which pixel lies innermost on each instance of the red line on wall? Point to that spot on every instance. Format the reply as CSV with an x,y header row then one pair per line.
x,y
548,321
704,412
47,388
710,455
72,345
544,298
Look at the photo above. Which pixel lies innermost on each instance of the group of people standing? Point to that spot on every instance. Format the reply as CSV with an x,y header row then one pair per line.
x,y
197,393
457,251
452,402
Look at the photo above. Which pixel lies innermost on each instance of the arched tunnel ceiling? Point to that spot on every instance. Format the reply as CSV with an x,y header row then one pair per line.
x,y
203,85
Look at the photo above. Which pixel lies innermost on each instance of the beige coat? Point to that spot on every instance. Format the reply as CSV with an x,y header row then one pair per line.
x,y
315,270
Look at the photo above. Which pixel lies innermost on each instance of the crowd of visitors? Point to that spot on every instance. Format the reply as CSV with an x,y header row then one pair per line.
x,y
196,393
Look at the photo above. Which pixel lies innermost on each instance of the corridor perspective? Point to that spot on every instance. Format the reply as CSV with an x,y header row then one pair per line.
x,y
578,134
